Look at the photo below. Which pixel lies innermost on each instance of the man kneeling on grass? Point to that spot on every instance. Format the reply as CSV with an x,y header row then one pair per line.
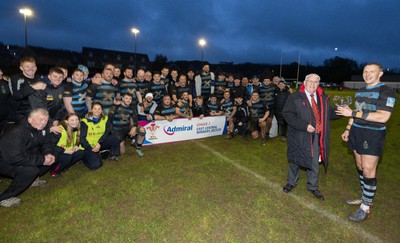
x,y
25,154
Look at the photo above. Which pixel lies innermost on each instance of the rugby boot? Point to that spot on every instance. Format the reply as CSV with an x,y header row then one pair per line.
x,y
356,201
360,215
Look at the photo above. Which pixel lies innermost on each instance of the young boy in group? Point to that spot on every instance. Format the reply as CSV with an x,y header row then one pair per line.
x,y
199,109
241,116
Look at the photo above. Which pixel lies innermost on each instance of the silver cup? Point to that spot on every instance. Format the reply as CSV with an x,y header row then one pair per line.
x,y
340,100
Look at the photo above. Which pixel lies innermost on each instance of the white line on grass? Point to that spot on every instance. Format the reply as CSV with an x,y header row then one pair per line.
x,y
335,218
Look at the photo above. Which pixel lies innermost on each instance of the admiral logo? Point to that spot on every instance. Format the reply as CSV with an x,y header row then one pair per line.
x,y
172,130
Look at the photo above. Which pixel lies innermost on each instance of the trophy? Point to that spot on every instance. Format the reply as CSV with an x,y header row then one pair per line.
x,y
339,100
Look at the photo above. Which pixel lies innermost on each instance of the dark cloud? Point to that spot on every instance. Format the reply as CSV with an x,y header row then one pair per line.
x,y
238,31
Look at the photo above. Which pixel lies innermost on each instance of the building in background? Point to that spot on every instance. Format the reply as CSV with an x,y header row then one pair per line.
x,y
95,58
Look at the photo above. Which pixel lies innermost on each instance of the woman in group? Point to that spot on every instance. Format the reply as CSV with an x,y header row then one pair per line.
x,y
96,136
67,145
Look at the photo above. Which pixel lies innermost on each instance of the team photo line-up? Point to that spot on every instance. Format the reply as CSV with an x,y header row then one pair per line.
x,y
49,123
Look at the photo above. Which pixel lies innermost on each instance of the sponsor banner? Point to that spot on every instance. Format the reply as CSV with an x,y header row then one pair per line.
x,y
183,129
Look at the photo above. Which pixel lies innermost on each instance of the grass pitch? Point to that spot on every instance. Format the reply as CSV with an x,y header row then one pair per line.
x,y
208,190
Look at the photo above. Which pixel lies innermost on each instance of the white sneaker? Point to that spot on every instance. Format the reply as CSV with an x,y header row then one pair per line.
x,y
38,183
10,202
139,152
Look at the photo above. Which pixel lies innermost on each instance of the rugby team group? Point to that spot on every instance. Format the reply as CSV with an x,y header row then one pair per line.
x,y
49,123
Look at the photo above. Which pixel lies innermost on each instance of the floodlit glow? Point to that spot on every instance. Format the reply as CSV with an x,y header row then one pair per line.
x,y
135,31
336,48
25,11
202,42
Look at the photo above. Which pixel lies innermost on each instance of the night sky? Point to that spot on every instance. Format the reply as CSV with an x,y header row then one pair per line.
x,y
258,31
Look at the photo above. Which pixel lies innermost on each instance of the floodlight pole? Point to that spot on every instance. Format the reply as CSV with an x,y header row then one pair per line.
x,y
202,43
135,32
25,12
298,71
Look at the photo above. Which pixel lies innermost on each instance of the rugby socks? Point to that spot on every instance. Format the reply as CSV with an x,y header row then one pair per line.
x,y
138,146
361,176
370,185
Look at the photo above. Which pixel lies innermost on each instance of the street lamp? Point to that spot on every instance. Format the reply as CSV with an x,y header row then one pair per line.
x,y
25,12
135,32
202,43
335,50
